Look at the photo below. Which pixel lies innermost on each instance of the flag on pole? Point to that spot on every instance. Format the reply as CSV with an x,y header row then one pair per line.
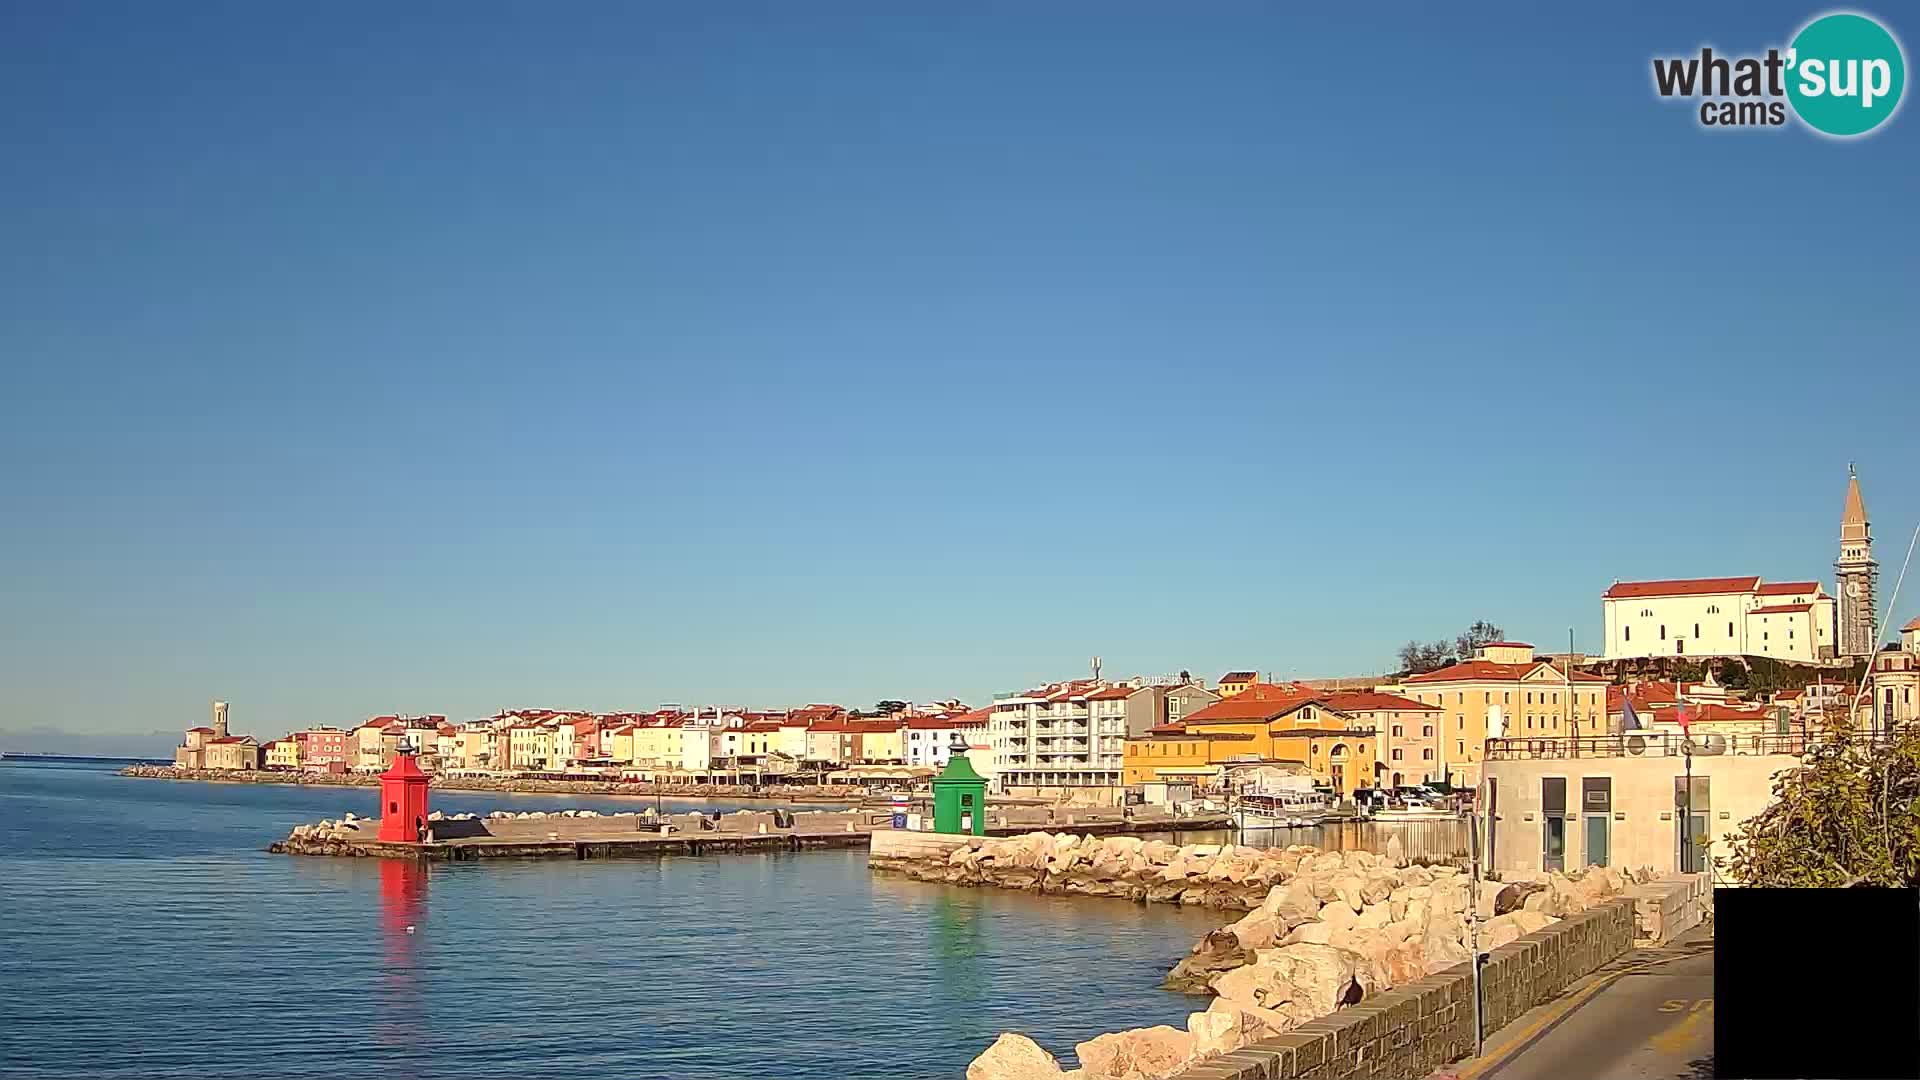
x,y
1680,714
1629,720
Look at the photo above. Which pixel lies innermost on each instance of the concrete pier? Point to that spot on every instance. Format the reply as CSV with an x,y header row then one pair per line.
x,y
620,836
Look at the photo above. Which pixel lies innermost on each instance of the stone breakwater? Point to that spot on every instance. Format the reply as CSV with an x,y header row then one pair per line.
x,y
584,834
1327,930
771,792
1222,877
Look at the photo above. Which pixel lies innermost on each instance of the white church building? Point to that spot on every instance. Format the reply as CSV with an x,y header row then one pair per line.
x,y
1742,616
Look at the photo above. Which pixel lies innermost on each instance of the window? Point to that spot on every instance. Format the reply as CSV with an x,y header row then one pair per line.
x,y
1427,754
1713,609
1529,722
1629,631
1396,731
1696,629
1463,745
1663,631
1506,698
1396,754
1529,699
1646,613
1729,629
1459,698
1427,730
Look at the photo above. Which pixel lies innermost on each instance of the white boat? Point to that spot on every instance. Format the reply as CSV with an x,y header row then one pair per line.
x,y
1260,809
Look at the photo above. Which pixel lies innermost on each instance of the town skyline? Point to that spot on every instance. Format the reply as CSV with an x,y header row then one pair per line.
x,y
141,743
1003,345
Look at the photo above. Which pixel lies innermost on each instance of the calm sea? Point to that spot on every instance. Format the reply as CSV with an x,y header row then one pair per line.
x,y
145,932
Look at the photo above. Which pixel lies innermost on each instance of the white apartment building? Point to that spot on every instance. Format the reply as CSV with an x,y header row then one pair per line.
x,y
929,739
1736,616
1065,734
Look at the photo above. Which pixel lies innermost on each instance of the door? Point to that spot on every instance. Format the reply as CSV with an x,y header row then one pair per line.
x,y
1553,852
1690,836
1597,853
1692,810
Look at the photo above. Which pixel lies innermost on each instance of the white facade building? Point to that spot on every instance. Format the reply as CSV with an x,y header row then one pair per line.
x,y
1738,616
1066,734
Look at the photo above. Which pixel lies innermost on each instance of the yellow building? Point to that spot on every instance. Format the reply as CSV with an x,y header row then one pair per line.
x,y
660,745
529,746
1504,691
1171,753
283,754
1267,723
617,744
1234,683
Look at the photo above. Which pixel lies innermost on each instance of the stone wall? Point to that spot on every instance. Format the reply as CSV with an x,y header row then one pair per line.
x,y
1409,1032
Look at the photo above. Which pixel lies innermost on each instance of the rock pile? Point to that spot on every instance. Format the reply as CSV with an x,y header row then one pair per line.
x,y
1333,929
1150,871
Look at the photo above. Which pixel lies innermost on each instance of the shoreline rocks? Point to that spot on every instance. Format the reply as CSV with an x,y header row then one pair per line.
x,y
1221,877
1332,929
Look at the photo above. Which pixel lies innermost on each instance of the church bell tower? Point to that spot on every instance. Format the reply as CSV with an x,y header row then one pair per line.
x,y
1856,574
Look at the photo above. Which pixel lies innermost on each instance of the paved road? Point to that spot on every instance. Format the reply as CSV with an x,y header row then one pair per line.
x,y
1646,1016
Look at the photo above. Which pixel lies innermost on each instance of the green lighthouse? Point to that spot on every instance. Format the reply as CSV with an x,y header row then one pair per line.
x,y
960,794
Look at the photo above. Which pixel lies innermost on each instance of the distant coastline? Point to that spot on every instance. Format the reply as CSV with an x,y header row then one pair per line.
x,y
82,759
778,793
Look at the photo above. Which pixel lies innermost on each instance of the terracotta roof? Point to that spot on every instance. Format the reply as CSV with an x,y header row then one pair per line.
x,y
1788,588
764,725
1709,714
1251,706
1113,693
1646,696
234,739
1240,676
207,730
1370,700
1311,733
1914,625
873,727
1681,587
1489,671
1178,731
975,718
932,723
1781,609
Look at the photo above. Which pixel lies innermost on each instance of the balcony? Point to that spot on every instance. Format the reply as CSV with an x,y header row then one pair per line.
x,y
1650,745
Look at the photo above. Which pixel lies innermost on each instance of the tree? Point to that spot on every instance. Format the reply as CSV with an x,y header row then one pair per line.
x,y
1480,633
1417,658
1850,815
889,707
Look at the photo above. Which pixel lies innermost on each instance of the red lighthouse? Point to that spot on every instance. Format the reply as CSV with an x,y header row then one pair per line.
x,y
403,800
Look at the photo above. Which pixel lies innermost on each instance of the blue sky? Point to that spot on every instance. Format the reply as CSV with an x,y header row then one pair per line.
x,y
457,357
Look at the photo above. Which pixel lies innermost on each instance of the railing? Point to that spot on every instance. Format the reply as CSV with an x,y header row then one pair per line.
x,y
1644,745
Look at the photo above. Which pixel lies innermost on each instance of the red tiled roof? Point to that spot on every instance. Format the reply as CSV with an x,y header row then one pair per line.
x,y
207,730
1681,587
1113,693
1914,625
234,739
1781,609
1788,588
873,727
1708,714
1254,705
764,725
1372,700
932,723
1489,671
1240,676
1646,696
976,718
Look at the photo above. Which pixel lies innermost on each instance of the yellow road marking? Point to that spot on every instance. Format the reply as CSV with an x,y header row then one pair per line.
x,y
1680,1036
1559,1009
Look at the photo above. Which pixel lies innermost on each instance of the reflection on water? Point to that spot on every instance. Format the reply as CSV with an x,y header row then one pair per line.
x,y
956,936
403,893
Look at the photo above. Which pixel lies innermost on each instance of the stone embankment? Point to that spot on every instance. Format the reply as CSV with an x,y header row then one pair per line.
x,y
1217,876
1328,930
770,792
